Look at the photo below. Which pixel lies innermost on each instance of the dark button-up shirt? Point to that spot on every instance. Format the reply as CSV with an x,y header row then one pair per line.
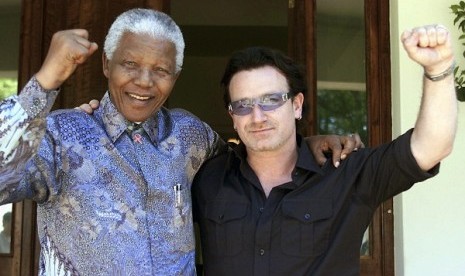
x,y
312,225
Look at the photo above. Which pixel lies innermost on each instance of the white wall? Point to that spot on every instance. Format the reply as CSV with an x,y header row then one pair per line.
x,y
430,217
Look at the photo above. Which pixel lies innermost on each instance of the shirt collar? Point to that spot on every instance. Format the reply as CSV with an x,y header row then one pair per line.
x,y
115,124
305,159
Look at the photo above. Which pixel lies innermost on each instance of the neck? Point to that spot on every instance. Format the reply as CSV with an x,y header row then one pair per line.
x,y
273,168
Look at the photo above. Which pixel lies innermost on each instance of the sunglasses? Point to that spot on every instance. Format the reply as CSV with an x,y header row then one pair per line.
x,y
266,102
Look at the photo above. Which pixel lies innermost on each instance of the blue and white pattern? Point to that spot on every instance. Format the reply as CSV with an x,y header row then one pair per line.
x,y
106,205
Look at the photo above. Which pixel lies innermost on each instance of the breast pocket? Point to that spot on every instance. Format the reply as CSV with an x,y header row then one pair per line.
x,y
305,227
224,225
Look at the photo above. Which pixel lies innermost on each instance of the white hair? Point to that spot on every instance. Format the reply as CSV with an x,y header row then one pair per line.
x,y
148,22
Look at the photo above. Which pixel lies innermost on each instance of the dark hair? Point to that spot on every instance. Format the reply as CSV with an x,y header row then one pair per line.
x,y
257,57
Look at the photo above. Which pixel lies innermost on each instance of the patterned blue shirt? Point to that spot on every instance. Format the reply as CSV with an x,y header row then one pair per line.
x,y
107,204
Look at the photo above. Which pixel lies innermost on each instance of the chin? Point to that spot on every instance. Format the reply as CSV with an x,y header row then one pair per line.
x,y
260,147
135,119
135,115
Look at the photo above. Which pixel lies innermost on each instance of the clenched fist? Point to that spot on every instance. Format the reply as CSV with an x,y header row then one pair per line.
x,y
430,46
68,49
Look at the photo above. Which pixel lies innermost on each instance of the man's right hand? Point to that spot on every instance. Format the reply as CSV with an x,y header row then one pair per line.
x,y
68,49
339,147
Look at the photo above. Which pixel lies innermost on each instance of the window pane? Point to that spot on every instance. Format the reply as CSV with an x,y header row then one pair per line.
x,y
6,223
341,85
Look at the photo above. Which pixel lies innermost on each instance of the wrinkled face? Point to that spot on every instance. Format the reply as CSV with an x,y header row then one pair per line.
x,y
260,130
140,75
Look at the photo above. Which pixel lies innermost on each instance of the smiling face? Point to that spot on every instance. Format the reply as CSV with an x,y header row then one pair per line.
x,y
265,130
140,75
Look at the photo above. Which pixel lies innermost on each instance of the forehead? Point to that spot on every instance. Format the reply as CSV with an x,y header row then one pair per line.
x,y
257,82
140,45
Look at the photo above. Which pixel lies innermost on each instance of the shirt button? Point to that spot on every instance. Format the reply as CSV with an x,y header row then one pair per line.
x,y
261,209
262,252
307,216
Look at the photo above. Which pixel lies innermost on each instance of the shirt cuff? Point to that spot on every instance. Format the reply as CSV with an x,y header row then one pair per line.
x,y
36,100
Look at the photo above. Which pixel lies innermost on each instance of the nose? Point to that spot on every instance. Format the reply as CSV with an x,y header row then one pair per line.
x,y
144,78
258,115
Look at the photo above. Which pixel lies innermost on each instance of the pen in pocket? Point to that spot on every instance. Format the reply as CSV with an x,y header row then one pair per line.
x,y
177,195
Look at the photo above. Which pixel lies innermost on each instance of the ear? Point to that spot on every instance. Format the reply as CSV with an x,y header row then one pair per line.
x,y
297,103
106,69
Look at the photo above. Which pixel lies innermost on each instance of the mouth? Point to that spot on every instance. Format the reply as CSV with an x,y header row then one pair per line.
x,y
262,130
139,97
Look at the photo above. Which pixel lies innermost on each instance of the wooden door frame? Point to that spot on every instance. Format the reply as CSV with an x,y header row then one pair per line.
x,y
377,29
302,47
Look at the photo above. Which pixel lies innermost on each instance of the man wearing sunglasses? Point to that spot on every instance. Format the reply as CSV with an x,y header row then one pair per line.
x,y
267,208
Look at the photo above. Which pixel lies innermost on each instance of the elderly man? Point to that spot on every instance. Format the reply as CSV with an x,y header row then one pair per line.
x,y
267,208
113,189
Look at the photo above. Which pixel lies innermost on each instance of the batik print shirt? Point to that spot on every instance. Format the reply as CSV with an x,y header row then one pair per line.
x,y
107,205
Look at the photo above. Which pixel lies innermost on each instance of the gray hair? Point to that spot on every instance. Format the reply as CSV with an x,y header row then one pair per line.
x,y
148,22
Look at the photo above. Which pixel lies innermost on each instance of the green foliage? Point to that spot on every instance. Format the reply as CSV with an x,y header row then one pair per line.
x,y
8,87
341,112
459,21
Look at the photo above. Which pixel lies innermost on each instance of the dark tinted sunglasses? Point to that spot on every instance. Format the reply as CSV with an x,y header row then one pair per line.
x,y
266,102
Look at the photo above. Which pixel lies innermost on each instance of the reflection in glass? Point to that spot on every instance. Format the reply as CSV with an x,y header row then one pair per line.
x,y
341,84
6,219
365,247
342,111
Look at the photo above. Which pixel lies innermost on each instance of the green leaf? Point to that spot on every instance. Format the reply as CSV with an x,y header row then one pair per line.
x,y
8,87
461,94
